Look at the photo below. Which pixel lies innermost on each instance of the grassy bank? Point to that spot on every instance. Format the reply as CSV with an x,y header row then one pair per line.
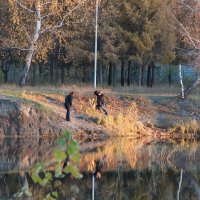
x,y
132,111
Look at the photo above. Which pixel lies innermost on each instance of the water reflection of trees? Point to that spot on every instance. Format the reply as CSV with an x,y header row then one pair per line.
x,y
146,154
118,185
156,165
21,153
134,169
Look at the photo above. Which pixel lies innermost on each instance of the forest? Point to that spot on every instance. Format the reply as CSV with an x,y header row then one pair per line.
x,y
53,42
99,98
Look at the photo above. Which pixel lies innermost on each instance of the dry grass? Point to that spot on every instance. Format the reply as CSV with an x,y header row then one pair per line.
x,y
125,105
122,118
163,90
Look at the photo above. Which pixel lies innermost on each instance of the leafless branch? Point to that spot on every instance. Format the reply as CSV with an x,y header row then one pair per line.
x,y
186,33
17,48
185,5
45,16
46,3
62,21
24,7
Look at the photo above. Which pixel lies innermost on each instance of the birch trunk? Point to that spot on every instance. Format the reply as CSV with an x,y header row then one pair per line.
x,y
32,46
181,82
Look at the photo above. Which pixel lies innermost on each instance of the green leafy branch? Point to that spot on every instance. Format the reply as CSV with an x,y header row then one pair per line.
x,y
66,156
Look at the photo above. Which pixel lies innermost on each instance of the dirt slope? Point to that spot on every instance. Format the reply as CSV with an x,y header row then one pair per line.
x,y
44,115
22,118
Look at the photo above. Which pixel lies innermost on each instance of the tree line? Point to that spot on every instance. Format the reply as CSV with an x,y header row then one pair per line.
x,y
133,35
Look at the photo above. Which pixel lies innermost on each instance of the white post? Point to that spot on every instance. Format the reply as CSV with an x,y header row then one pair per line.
x,y
181,81
95,58
93,177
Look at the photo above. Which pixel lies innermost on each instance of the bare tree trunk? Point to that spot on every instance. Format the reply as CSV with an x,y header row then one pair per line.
x,y
32,46
68,67
51,72
6,77
139,75
170,76
5,67
56,72
100,73
152,74
149,76
14,74
62,75
110,74
122,72
114,74
142,75
34,75
129,73
40,70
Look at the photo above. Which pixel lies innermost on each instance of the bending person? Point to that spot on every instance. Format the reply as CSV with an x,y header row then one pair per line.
x,y
100,101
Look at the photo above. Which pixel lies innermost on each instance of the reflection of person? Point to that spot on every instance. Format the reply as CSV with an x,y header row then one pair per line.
x,y
98,167
100,101
68,104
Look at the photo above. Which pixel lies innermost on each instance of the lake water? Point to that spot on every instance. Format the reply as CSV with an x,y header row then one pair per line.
x,y
134,169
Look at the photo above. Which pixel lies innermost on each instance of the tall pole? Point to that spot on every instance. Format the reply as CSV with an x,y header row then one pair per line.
x,y
95,58
93,179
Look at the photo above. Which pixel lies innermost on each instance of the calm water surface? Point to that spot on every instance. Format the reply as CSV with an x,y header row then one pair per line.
x,y
135,169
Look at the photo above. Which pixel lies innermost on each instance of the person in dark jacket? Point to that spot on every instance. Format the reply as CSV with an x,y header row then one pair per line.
x,y
68,104
100,101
